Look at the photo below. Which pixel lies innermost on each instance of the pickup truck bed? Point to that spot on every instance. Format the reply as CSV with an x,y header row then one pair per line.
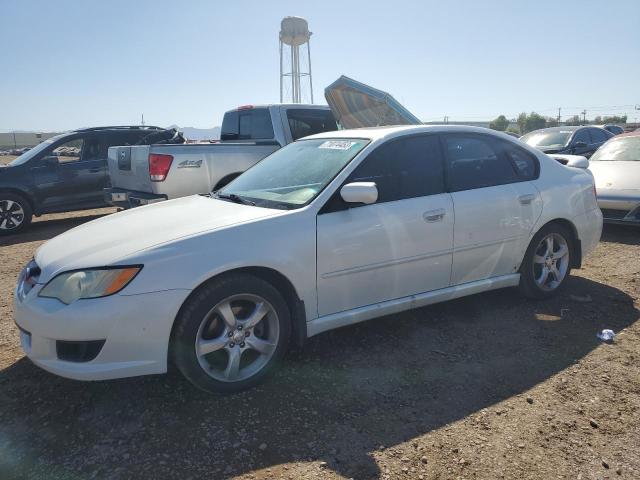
x,y
195,168
147,174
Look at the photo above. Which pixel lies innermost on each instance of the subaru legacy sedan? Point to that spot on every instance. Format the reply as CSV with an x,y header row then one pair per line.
x,y
333,229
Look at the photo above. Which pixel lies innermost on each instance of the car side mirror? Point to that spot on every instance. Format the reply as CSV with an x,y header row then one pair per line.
x,y
578,161
51,160
579,144
360,192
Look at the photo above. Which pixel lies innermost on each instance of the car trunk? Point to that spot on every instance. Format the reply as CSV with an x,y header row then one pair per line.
x,y
356,105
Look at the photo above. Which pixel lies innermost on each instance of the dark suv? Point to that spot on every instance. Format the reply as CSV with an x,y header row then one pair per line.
x,y
568,140
63,173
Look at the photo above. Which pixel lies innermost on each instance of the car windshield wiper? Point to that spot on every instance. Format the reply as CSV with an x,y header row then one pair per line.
x,y
235,198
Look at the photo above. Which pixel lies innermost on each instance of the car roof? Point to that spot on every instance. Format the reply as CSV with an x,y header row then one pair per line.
x,y
375,133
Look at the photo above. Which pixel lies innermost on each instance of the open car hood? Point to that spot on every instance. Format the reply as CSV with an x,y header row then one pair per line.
x,y
357,105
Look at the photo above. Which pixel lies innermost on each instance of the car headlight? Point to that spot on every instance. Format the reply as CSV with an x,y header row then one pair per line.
x,y
94,283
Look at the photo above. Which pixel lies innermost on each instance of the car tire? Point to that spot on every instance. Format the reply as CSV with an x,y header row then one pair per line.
x,y
547,262
15,213
231,333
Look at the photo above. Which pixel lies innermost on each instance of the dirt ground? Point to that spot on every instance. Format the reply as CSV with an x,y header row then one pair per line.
x,y
490,386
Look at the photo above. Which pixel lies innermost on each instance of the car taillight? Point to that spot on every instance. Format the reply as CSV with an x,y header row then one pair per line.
x,y
159,166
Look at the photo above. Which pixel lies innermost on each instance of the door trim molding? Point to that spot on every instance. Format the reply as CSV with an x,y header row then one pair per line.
x,y
360,314
389,263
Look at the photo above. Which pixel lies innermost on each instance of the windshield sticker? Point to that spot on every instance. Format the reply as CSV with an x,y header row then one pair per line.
x,y
337,144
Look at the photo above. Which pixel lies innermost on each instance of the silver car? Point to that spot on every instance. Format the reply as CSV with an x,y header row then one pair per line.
x,y
616,169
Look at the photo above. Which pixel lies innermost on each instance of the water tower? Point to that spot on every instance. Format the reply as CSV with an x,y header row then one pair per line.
x,y
294,34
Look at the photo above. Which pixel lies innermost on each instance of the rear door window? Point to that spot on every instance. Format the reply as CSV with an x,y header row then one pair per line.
x,y
303,122
477,161
525,164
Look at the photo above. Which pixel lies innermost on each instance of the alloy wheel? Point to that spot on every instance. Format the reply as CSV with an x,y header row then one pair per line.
x,y
551,262
11,215
237,337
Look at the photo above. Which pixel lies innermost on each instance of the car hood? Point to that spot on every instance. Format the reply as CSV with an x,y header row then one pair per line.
x,y
111,239
614,175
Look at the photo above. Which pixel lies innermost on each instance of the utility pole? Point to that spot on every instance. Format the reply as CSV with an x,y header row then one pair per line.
x,y
584,117
559,110
15,145
142,120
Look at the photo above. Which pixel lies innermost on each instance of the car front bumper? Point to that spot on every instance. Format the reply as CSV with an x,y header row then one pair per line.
x,y
622,209
131,333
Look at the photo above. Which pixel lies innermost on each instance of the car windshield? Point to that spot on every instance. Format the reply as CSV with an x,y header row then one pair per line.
x,y
28,155
626,149
294,175
555,138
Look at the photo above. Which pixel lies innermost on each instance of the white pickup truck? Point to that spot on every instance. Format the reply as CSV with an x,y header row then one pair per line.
x,y
150,173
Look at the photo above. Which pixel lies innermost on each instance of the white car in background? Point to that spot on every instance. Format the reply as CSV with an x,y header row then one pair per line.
x,y
616,169
331,230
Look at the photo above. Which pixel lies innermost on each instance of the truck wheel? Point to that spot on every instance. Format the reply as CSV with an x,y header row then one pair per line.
x,y
547,263
231,333
15,213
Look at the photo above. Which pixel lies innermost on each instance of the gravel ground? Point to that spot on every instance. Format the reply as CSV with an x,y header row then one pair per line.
x,y
489,386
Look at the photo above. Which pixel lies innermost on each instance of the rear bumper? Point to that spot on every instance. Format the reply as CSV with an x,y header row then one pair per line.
x,y
589,229
122,198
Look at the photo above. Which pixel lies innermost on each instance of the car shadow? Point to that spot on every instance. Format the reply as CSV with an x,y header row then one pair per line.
x,y
349,393
47,229
624,234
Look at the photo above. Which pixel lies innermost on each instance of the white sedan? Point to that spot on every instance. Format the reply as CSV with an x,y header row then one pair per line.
x,y
331,230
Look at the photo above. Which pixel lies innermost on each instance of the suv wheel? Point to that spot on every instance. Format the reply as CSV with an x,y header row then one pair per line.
x,y
15,213
230,334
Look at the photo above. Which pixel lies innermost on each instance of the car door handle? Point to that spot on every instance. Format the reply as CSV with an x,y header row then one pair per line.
x,y
434,215
526,199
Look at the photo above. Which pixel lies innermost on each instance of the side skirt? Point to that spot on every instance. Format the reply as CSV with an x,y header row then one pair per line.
x,y
360,314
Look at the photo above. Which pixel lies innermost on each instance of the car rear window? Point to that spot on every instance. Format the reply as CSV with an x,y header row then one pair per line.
x,y
304,122
248,124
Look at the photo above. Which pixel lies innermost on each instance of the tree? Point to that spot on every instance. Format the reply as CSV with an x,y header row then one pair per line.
x,y
551,121
597,120
501,123
534,122
573,121
615,119
513,130
531,122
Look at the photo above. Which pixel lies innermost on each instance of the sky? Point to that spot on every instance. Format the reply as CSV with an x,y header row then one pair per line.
x,y
72,63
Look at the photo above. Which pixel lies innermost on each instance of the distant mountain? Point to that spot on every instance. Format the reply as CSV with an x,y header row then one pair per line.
x,y
193,133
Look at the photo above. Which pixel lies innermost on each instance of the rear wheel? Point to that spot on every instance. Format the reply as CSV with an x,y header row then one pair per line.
x,y
231,333
547,263
15,213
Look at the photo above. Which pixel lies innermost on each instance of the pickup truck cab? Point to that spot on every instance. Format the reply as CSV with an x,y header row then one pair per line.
x,y
147,174
63,173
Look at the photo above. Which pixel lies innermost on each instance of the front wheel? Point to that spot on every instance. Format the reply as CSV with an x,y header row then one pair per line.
x,y
230,334
15,213
547,262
